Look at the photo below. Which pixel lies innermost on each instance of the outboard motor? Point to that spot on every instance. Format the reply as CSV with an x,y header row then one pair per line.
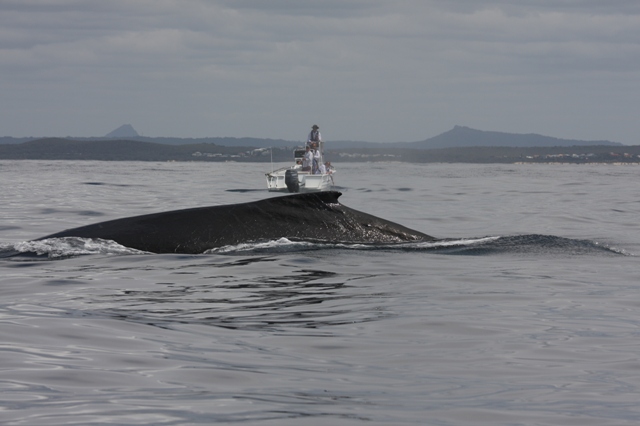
x,y
291,180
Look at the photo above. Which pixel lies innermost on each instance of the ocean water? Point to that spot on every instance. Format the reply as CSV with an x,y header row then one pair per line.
x,y
530,317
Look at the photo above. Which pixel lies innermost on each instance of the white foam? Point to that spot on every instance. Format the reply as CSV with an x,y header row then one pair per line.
x,y
460,242
284,244
72,246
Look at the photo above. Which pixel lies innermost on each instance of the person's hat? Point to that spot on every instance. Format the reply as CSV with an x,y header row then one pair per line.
x,y
315,126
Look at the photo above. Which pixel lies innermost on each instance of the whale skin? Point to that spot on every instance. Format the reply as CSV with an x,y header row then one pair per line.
x,y
315,217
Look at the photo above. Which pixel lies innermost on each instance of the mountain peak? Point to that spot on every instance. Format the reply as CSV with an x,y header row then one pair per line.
x,y
124,131
463,136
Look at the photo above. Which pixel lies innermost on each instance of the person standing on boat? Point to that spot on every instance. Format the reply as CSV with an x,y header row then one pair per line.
x,y
328,167
317,160
307,160
314,138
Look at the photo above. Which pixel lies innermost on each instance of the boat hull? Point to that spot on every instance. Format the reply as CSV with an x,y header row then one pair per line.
x,y
276,181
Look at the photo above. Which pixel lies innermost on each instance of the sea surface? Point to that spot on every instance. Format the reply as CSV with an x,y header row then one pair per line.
x,y
528,315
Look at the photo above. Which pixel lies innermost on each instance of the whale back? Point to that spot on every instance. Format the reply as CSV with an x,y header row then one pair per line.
x,y
317,217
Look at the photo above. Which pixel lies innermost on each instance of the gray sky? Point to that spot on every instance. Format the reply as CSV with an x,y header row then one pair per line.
x,y
374,70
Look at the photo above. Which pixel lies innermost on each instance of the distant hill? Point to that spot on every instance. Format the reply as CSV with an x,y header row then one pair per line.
x,y
222,141
461,136
6,140
129,150
137,150
458,137
124,131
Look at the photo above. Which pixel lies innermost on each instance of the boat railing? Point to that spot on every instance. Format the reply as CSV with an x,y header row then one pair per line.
x,y
276,171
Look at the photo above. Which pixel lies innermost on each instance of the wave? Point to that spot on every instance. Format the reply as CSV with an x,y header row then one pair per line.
x,y
533,244
64,247
287,245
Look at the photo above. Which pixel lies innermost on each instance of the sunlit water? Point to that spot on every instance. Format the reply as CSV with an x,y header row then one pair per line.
x,y
530,317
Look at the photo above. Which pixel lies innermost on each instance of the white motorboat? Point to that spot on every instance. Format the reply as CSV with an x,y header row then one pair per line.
x,y
295,179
